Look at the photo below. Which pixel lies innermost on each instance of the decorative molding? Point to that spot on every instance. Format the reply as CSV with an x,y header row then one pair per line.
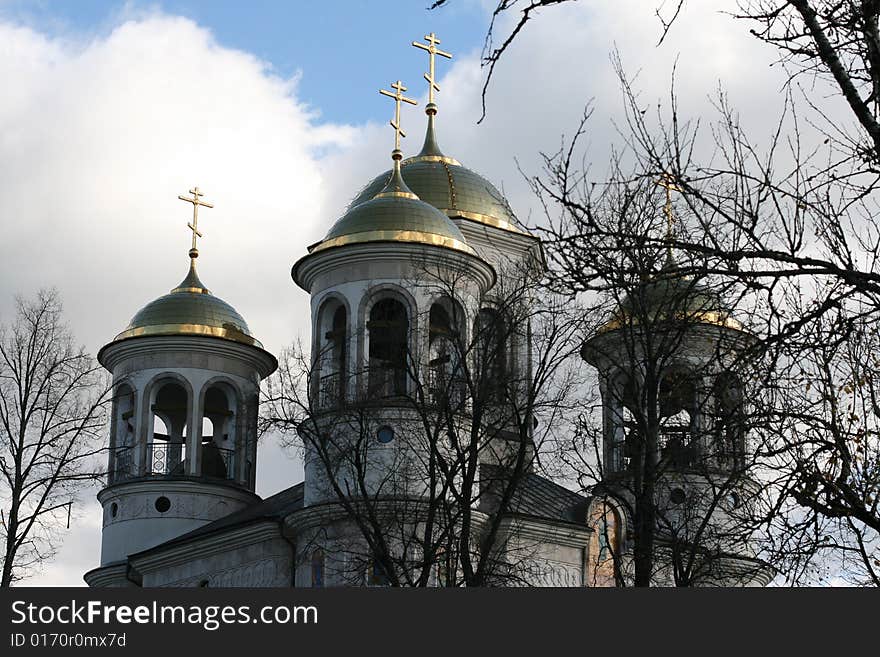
x,y
255,358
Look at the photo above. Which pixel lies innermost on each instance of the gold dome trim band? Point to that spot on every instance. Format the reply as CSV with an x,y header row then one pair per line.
x,y
397,194
483,219
432,158
194,290
395,236
713,317
189,329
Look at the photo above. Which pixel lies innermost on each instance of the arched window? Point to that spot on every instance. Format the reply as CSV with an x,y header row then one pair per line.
x,y
445,568
623,439
729,427
166,449
376,575
492,351
605,543
318,568
388,328
445,379
218,446
333,355
122,466
678,417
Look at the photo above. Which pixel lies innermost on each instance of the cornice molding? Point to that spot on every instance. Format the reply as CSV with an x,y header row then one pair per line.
x,y
253,357
309,267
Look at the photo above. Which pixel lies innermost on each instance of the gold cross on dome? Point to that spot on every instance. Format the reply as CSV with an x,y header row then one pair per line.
x,y
398,98
432,50
194,226
667,182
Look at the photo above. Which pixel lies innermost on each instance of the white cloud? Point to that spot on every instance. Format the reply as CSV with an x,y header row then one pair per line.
x,y
97,139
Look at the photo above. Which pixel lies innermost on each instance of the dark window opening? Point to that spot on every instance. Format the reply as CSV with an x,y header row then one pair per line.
x,y
445,381
388,332
318,569
333,360
166,451
492,351
218,446
729,431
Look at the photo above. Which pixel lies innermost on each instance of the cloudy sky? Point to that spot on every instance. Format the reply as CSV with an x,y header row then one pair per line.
x,y
111,109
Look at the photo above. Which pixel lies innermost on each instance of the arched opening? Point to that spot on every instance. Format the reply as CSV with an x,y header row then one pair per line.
x,y
317,567
333,353
678,419
445,380
729,425
604,552
445,568
492,352
376,575
623,443
218,446
123,440
166,450
388,328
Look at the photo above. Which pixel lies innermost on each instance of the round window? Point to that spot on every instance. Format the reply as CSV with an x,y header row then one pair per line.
x,y
677,496
385,435
163,504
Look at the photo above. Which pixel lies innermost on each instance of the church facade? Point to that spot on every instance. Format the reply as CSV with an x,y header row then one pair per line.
x,y
414,353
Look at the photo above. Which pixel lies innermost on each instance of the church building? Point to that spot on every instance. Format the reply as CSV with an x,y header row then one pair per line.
x,y
415,417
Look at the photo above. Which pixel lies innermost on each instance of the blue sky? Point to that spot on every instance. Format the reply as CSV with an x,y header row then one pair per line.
x,y
343,49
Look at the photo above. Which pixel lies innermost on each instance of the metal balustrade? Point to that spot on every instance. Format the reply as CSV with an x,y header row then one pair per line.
x,y
443,391
386,381
123,465
330,391
218,462
165,458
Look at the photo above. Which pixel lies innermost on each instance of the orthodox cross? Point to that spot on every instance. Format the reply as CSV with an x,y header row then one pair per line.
x,y
432,50
398,97
194,226
667,182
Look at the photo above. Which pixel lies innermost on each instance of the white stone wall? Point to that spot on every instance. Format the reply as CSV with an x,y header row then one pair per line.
x,y
138,525
267,563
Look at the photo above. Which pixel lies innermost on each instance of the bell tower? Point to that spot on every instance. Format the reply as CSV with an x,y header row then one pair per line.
x,y
186,375
674,430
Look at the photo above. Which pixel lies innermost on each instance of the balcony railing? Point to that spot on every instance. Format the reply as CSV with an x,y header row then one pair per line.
x,y
330,391
217,462
618,458
676,446
386,381
165,458
443,391
123,465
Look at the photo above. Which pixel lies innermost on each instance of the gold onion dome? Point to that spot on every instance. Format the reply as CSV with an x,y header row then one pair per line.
x,y
393,213
444,183
669,295
189,309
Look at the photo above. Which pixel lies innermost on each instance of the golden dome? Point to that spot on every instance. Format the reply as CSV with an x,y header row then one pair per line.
x,y
445,184
189,309
393,213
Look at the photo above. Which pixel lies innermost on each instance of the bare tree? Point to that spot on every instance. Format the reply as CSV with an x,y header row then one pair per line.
x,y
434,502
823,453
51,421
665,422
792,221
